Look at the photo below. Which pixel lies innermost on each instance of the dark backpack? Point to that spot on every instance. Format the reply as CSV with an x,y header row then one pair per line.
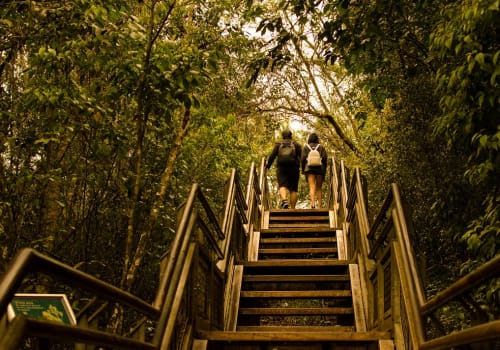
x,y
286,153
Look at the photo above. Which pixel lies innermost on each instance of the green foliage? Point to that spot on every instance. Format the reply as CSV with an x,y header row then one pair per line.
x,y
468,81
75,79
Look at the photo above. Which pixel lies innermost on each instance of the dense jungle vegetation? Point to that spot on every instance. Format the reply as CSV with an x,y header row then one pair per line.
x,y
110,110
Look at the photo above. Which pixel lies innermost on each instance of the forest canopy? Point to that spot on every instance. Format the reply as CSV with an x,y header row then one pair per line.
x,y
111,110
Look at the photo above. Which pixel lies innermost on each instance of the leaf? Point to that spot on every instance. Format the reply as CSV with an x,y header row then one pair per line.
x,y
479,58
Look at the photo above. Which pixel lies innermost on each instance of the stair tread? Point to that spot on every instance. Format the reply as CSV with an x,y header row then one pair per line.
x,y
311,219
306,229
296,294
288,328
299,335
319,211
306,250
296,311
289,240
296,263
298,225
296,278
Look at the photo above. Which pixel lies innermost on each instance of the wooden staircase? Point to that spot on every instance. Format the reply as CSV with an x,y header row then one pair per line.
x,y
298,294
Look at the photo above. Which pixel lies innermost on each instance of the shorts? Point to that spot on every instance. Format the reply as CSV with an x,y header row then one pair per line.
x,y
317,170
288,177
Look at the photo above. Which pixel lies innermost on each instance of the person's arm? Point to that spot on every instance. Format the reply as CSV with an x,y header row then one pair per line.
x,y
324,157
303,158
298,152
272,156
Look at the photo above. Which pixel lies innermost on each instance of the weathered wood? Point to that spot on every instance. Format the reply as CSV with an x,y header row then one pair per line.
x,y
488,270
234,299
296,225
253,246
311,220
357,300
298,240
297,311
385,344
296,278
297,250
291,230
295,329
296,262
199,344
341,245
71,334
300,336
482,333
297,294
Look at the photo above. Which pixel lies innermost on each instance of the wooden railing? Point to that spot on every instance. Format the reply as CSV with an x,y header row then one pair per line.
x,y
30,261
394,298
194,280
196,286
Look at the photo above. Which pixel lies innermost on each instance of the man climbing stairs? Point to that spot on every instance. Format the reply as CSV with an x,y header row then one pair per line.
x,y
297,294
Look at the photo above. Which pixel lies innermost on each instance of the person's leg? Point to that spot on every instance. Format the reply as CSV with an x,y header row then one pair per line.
x,y
293,199
311,180
319,185
294,187
283,196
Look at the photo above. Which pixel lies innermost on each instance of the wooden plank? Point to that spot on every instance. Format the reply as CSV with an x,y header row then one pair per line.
x,y
289,226
310,219
297,294
199,344
234,298
297,262
385,344
357,299
296,336
341,246
295,329
306,250
318,211
275,230
253,246
296,278
297,311
292,240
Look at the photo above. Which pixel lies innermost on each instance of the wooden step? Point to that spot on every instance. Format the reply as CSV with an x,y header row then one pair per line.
x,y
295,230
287,225
308,250
297,311
298,263
310,219
297,240
294,335
319,212
296,278
296,329
296,294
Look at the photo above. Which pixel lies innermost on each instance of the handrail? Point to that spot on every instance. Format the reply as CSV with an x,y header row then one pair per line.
x,y
28,261
179,264
264,185
405,240
390,247
198,231
484,272
485,332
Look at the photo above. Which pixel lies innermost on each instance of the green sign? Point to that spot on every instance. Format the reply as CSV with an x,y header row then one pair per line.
x,y
50,307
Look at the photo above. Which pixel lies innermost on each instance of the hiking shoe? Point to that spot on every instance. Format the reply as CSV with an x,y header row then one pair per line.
x,y
284,205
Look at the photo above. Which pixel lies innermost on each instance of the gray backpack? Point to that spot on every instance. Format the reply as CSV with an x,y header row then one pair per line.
x,y
286,153
314,157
